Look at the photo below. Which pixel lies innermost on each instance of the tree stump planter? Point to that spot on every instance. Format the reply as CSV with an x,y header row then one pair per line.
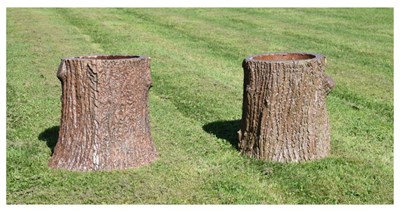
x,y
104,122
284,115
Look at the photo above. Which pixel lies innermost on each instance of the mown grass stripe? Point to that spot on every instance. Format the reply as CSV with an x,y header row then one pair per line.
x,y
180,92
312,41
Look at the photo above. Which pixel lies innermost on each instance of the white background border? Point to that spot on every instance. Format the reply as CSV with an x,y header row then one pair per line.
x,y
190,3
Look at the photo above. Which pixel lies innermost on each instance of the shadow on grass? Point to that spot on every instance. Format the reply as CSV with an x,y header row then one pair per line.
x,y
225,130
50,136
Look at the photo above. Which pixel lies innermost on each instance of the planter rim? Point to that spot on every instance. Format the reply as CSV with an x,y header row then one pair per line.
x,y
302,57
107,57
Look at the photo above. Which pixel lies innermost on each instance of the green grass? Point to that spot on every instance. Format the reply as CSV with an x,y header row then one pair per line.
x,y
195,104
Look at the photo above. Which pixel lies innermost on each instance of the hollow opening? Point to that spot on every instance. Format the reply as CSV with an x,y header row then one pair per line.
x,y
283,57
108,57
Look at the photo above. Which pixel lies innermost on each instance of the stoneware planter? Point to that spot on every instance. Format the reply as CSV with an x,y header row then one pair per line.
x,y
284,115
104,121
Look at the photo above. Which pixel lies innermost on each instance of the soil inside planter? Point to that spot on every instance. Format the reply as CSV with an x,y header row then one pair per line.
x,y
283,57
107,57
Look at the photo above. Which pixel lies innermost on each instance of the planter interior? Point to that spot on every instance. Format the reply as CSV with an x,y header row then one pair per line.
x,y
107,57
283,56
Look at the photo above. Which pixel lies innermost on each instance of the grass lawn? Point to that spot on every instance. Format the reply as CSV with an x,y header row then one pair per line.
x,y
195,104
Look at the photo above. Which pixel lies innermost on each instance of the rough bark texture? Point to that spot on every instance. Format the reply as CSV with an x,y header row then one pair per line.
x,y
284,115
104,122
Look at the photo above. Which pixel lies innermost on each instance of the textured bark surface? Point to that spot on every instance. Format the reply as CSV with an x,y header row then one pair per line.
x,y
104,122
284,115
